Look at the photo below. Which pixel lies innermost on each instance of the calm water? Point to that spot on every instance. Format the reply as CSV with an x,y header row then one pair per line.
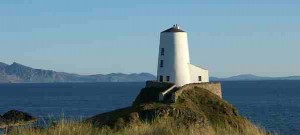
x,y
273,104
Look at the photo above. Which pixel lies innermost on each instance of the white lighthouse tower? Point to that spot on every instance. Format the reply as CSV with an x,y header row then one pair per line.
x,y
174,60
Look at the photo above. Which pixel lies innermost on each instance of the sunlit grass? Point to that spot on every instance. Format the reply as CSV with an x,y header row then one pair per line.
x,y
161,126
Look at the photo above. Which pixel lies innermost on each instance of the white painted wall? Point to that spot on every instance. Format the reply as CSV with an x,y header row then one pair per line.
x,y
195,72
176,57
177,60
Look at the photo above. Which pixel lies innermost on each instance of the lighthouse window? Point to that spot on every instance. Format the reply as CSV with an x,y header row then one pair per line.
x,y
199,78
162,51
168,78
161,63
161,78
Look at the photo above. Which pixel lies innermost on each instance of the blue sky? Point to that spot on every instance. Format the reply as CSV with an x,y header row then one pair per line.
x,y
88,37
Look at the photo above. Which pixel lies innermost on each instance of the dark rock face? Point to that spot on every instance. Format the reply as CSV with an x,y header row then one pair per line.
x,y
150,94
2,121
15,116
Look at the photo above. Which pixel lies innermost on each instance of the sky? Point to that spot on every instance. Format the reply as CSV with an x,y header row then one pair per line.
x,y
228,38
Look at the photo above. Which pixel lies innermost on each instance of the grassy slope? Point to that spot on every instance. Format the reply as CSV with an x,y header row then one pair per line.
x,y
197,111
161,126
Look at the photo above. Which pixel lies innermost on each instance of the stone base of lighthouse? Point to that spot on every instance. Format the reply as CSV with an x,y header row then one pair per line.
x,y
168,92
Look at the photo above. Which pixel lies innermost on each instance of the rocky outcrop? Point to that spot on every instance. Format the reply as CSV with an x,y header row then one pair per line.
x,y
150,93
214,87
2,121
15,118
195,105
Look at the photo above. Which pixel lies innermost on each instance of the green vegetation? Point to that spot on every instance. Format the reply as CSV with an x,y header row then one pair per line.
x,y
197,111
159,126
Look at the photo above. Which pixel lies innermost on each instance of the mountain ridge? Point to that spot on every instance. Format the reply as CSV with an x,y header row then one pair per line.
x,y
251,77
18,73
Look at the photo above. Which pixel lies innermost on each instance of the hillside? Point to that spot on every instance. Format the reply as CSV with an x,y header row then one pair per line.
x,y
18,73
197,111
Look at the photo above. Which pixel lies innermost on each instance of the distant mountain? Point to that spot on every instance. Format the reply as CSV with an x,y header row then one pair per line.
x,y
18,73
250,77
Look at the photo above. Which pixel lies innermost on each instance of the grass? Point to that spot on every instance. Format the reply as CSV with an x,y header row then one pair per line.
x,y
161,126
205,103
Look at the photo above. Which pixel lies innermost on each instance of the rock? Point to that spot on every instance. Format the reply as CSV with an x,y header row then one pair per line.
x,y
195,106
17,117
2,121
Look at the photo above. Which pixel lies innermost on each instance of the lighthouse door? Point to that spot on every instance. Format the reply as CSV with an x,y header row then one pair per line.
x,y
161,78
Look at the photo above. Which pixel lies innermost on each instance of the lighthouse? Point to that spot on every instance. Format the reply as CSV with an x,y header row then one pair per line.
x,y
174,60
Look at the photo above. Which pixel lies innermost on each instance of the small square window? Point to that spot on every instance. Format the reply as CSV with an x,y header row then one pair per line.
x,y
162,51
161,63
199,78
168,78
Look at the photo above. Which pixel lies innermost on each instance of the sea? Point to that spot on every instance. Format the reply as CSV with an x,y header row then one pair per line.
x,y
274,105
